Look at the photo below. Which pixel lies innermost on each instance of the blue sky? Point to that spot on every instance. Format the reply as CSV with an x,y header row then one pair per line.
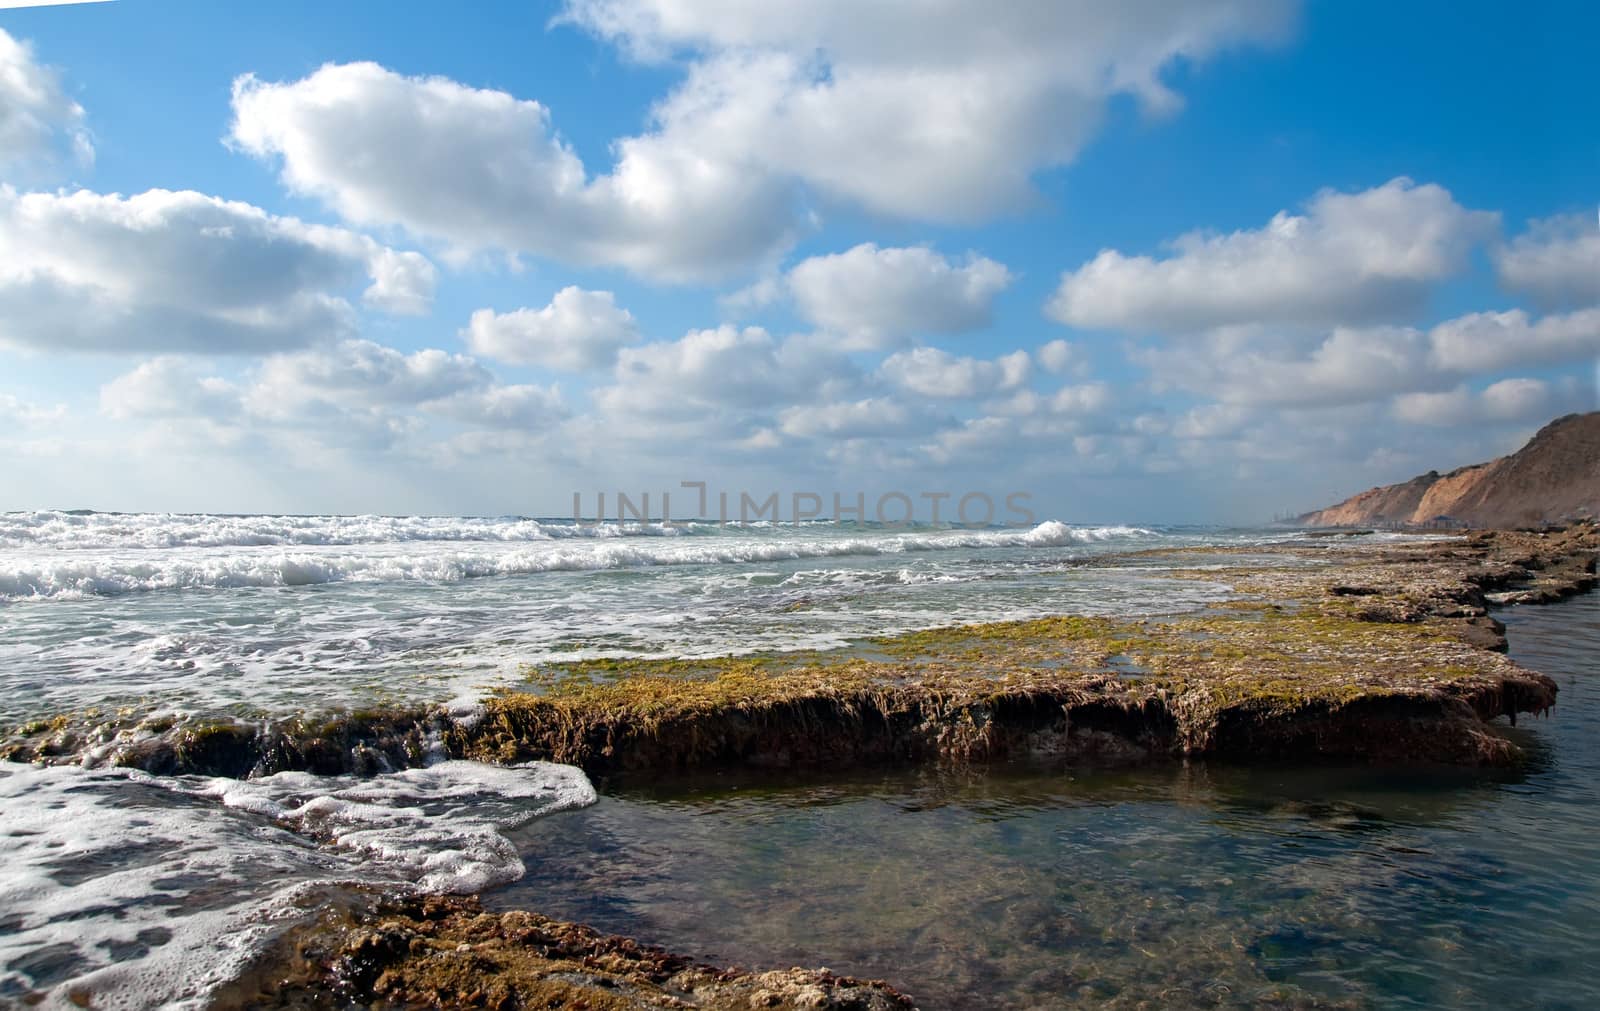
x,y
1198,262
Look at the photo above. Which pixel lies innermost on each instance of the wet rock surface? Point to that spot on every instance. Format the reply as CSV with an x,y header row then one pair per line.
x,y
450,952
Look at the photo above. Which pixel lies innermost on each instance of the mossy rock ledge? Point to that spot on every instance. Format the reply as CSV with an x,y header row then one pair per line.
x,y
1337,651
1329,649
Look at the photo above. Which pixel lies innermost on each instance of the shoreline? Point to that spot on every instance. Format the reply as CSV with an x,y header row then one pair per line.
x,y
1329,651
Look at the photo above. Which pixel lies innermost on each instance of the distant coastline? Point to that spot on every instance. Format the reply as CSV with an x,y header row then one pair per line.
x,y
1555,478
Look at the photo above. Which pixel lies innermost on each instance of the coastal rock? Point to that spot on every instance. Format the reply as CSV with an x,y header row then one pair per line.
x,y
1554,478
436,951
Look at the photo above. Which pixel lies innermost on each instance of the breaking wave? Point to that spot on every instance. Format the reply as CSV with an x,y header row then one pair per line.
x,y
89,530
76,574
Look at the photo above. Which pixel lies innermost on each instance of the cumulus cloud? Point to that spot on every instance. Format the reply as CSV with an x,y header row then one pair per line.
x,y
1352,365
165,271
935,373
1058,356
727,368
356,395
366,372
1350,258
516,408
876,298
1083,399
874,416
579,330
482,169
939,112
1488,341
1557,261
1213,421
168,387
972,440
38,121
1507,401
402,282
1355,365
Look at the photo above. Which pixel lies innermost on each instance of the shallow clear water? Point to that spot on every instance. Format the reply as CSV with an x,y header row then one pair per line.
x,y
1179,885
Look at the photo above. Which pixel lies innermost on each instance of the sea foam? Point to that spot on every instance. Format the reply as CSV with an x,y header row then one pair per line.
x,y
132,891
84,573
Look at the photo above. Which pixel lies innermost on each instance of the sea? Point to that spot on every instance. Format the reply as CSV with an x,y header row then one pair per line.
x,y
1016,887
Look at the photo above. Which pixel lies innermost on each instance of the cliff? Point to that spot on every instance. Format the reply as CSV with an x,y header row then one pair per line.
x,y
1556,476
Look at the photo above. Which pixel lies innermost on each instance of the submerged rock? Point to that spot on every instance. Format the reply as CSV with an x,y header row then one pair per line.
x,y
450,952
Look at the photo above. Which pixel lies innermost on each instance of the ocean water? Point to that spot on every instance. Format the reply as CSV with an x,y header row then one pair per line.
x,y
1178,886
126,890
269,614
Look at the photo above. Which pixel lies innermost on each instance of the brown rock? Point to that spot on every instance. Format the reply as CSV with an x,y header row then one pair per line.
x,y
1555,477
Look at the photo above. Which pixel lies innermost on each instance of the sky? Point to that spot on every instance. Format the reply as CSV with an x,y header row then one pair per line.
x,y
1209,261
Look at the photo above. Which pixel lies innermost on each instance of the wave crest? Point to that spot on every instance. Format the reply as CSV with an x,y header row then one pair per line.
x,y
83,574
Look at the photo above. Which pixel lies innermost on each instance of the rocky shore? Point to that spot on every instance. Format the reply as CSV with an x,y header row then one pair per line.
x,y
1336,648
1329,649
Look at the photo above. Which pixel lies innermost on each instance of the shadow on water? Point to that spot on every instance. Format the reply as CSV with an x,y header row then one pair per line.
x,y
1196,884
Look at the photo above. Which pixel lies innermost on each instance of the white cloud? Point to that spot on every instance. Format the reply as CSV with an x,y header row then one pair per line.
x,y
1351,258
1507,401
355,395
17,412
37,118
168,388
481,169
941,112
1083,399
1557,261
402,282
1058,356
724,369
876,298
1488,341
165,271
1213,421
938,111
872,417
976,439
1354,365
519,408
361,371
579,330
935,373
